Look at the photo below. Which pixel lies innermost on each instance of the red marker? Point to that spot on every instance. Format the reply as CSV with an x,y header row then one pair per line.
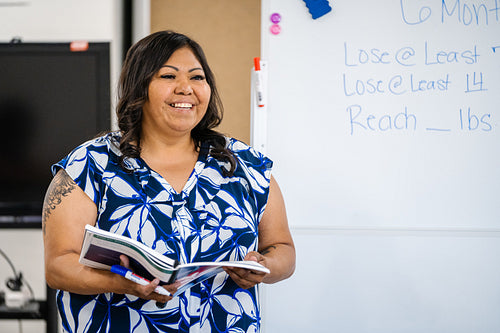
x,y
79,46
259,91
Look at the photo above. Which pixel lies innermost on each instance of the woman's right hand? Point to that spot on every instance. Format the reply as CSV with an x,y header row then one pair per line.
x,y
147,291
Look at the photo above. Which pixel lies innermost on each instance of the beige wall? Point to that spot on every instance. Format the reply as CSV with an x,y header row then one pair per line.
x,y
229,32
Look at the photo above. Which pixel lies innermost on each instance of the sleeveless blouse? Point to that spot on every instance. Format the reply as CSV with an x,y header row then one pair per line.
x,y
214,218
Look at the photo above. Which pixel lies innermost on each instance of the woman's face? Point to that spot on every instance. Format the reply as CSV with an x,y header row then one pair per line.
x,y
178,96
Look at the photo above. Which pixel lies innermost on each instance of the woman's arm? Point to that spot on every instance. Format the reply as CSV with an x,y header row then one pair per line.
x,y
276,248
66,211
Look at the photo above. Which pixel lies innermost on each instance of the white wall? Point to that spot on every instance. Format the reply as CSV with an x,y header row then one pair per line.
x,y
141,19
52,21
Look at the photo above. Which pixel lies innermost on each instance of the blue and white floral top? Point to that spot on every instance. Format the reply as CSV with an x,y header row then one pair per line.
x,y
214,218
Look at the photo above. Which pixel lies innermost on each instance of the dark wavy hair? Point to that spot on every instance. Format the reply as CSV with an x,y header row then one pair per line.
x,y
144,59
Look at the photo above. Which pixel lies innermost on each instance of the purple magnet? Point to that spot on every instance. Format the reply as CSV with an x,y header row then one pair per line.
x,y
275,29
275,18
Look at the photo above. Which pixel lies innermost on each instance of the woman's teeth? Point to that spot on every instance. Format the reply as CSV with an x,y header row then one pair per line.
x,y
182,105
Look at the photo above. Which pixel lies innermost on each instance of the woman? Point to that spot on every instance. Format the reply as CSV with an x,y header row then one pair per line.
x,y
167,179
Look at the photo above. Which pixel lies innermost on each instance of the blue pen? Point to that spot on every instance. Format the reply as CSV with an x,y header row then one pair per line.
x,y
129,275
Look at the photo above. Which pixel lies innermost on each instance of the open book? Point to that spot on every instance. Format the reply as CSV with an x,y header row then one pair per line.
x,y
102,249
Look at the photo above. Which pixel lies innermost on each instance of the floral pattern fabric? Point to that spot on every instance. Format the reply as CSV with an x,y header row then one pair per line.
x,y
214,218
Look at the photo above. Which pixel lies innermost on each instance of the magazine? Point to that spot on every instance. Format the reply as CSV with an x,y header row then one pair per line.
x,y
102,249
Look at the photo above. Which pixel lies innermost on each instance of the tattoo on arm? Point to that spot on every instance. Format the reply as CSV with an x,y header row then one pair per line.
x,y
267,250
61,186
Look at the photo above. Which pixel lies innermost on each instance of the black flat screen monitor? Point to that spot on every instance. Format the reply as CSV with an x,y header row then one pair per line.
x,y
52,98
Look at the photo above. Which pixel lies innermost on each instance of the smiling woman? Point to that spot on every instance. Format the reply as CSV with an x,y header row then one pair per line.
x,y
178,96
170,181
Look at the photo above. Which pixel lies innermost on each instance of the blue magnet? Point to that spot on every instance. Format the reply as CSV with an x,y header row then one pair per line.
x,y
318,8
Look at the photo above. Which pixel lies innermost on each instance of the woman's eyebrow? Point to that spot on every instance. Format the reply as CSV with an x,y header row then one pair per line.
x,y
177,69
173,67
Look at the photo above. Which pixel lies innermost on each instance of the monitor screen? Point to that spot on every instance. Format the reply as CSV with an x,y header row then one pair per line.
x,y
51,100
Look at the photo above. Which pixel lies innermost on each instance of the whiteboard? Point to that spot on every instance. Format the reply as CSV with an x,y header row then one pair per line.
x,y
385,113
399,281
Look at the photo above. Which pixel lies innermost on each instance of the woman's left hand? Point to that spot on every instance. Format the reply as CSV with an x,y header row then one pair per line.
x,y
246,278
